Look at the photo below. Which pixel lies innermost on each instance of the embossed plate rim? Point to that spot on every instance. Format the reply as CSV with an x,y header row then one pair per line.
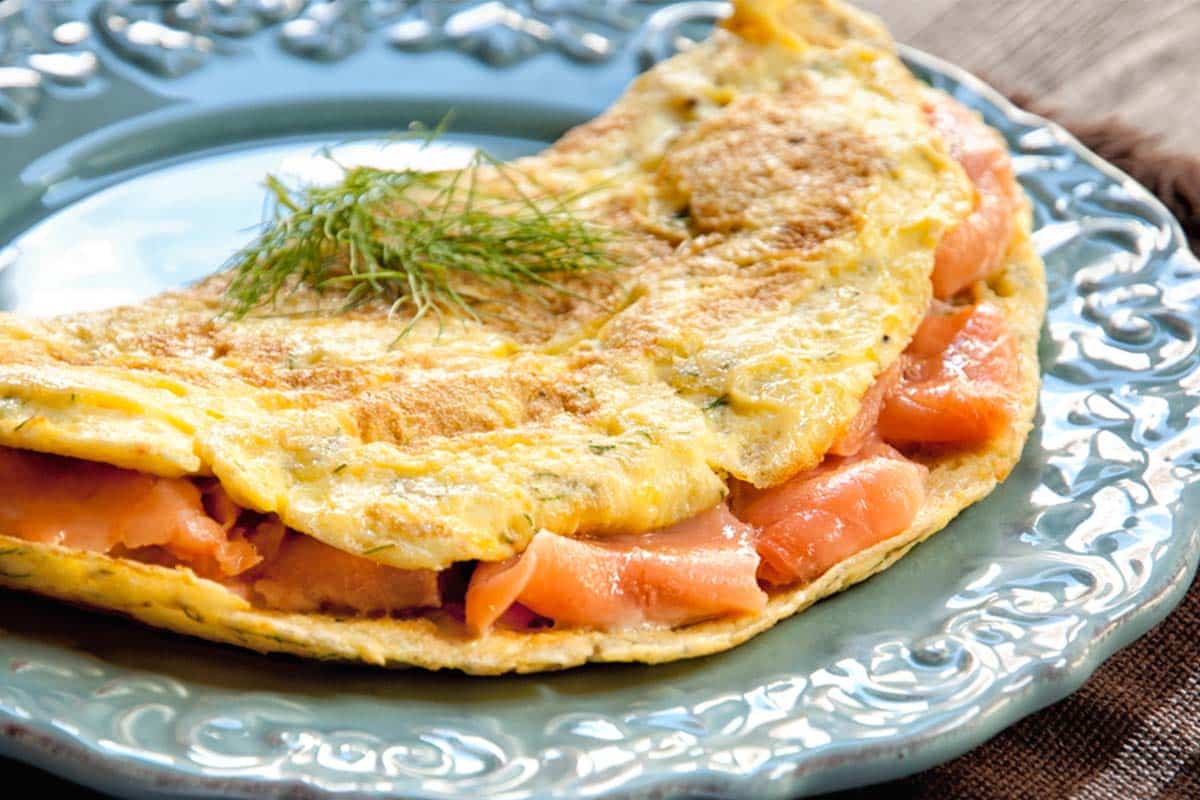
x,y
40,742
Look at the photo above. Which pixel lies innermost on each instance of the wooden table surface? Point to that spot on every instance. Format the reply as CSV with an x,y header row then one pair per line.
x,y
1091,58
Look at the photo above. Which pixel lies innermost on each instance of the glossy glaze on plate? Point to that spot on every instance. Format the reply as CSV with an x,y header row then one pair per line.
x,y
1091,540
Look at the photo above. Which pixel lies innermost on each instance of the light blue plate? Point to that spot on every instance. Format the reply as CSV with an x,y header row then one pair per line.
x,y
132,137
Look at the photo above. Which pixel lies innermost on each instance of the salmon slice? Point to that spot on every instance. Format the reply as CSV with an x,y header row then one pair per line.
x,y
825,515
97,507
974,249
958,381
862,428
699,568
106,509
302,574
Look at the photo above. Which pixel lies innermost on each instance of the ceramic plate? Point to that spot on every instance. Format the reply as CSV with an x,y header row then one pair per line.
x,y
132,140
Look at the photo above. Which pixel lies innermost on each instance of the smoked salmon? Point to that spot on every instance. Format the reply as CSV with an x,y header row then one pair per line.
x,y
957,382
101,508
302,574
97,507
699,568
953,385
809,523
975,248
862,428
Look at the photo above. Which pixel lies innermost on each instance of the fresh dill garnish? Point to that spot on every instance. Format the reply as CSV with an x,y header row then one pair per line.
x,y
23,423
338,469
420,241
601,449
377,549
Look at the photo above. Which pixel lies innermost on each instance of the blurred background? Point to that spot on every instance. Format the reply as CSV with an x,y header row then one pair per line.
x,y
1087,58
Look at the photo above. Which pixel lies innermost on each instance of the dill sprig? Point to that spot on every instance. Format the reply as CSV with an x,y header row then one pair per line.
x,y
420,241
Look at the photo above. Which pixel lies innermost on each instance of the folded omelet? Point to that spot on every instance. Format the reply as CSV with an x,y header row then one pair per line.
x,y
813,344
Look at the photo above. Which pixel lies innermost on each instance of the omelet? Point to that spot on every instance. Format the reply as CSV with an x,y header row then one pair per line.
x,y
814,344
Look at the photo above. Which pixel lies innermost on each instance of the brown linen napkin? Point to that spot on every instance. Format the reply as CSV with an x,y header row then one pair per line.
x,y
1133,731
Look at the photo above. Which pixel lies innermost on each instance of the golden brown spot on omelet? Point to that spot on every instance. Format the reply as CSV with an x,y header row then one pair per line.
x,y
766,162
193,336
584,137
411,411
